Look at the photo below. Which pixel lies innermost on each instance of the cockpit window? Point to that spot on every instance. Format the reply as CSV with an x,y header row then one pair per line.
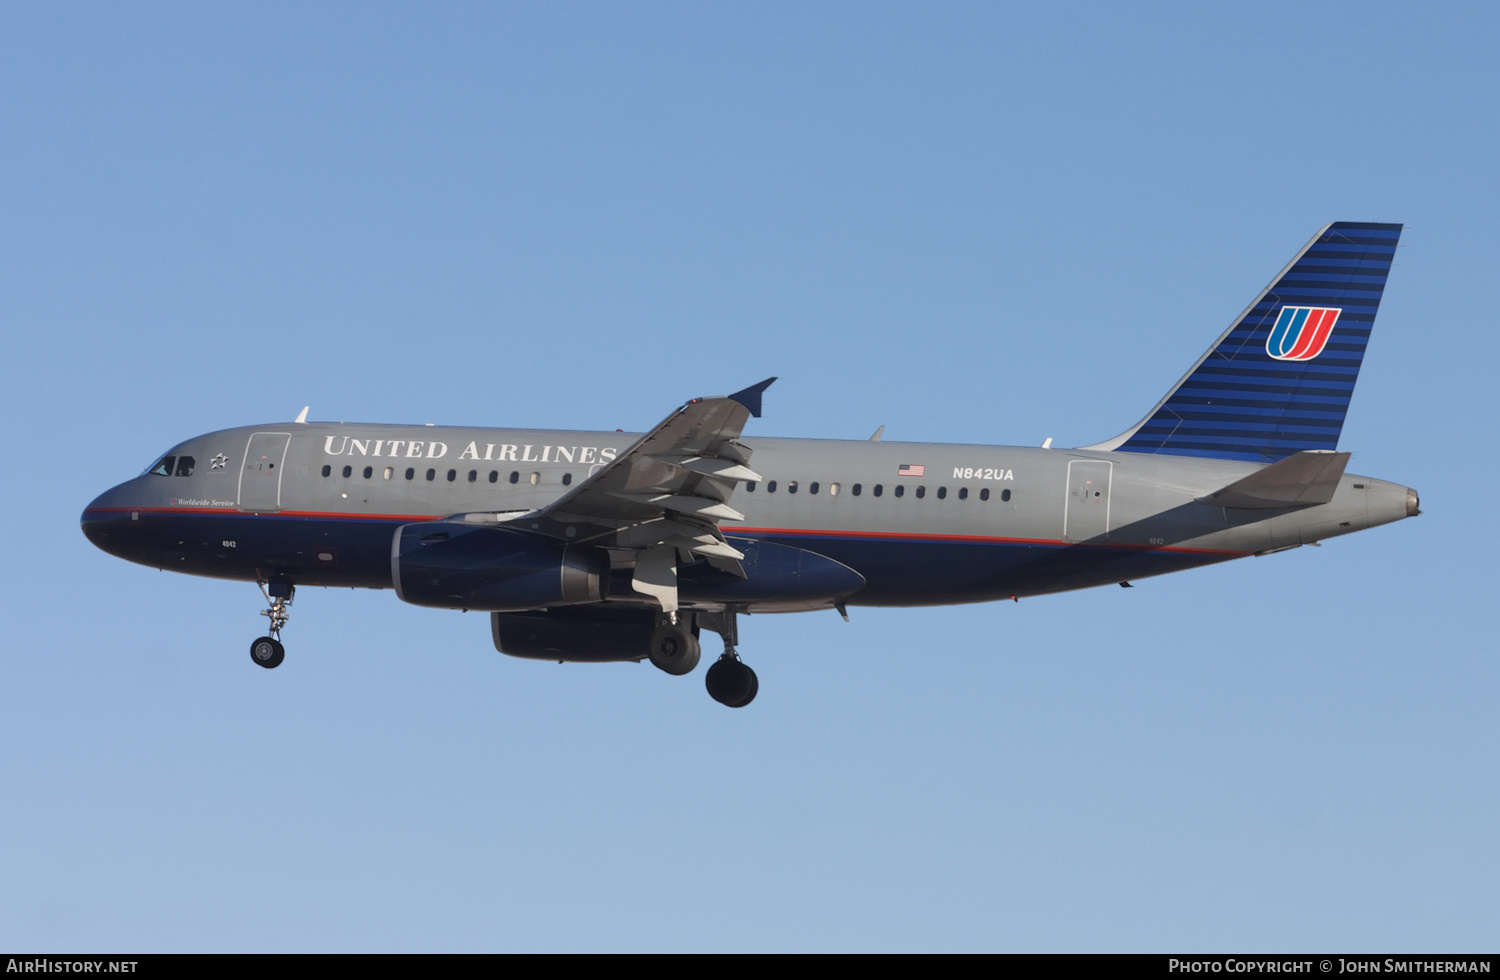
x,y
164,466
185,465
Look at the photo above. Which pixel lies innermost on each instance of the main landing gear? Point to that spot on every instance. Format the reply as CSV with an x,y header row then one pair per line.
x,y
674,648
267,651
730,681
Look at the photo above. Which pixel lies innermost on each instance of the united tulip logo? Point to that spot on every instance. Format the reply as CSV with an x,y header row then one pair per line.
x,y
1301,332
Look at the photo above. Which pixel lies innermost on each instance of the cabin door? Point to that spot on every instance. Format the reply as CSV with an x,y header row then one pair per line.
x,y
260,476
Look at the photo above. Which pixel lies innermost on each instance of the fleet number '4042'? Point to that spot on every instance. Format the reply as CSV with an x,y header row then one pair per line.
x,y
987,473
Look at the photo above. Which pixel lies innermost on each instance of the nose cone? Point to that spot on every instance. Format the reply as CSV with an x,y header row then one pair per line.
x,y
104,519
1413,503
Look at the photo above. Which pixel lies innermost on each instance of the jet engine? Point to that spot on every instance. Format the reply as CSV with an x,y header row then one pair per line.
x,y
457,565
582,634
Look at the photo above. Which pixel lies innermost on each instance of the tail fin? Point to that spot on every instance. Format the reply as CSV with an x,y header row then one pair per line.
x,y
1279,380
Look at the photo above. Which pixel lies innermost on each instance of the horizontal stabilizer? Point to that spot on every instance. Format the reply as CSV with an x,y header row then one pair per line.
x,y
1301,479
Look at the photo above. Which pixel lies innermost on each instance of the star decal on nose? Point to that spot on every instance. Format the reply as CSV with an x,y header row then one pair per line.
x,y
218,462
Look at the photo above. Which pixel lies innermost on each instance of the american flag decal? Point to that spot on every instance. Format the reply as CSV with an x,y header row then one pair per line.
x,y
907,469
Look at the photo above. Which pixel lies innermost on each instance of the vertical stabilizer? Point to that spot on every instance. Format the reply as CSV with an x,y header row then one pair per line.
x,y
1280,378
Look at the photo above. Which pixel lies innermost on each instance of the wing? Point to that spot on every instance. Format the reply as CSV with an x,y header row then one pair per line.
x,y
660,502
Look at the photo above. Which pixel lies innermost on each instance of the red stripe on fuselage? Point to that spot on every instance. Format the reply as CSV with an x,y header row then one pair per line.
x,y
230,512
768,531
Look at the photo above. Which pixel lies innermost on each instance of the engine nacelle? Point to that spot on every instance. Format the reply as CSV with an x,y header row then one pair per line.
x,y
456,565
582,634
775,574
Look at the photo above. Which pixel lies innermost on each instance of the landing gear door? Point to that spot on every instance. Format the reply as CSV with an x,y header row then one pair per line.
x,y
260,474
1087,515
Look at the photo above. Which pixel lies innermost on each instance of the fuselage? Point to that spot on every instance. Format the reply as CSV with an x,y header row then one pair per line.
x,y
923,523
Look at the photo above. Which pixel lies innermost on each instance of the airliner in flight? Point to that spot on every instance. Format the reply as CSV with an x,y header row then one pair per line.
x,y
608,546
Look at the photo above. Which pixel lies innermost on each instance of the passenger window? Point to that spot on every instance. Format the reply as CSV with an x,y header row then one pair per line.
x,y
942,493
921,492
984,494
1005,494
327,469
369,472
963,493
494,475
389,472
164,468
900,490
812,487
856,489
473,475
536,478
750,487
771,487
567,479
348,471
833,489
515,477
431,475
185,465
791,486
410,472
879,489
452,475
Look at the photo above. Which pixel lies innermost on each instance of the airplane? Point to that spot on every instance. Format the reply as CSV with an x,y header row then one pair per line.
x,y
610,546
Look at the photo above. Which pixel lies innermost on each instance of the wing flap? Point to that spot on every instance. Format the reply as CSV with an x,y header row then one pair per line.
x,y
660,502
683,503
721,467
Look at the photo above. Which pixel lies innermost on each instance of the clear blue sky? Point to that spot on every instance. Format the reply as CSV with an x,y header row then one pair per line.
x,y
968,222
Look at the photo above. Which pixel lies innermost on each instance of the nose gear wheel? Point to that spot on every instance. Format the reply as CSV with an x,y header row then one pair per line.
x,y
267,651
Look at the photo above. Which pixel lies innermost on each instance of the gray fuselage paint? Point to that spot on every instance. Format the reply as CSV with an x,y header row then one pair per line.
x,y
1046,529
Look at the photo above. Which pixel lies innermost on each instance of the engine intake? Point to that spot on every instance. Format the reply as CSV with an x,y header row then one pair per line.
x,y
454,565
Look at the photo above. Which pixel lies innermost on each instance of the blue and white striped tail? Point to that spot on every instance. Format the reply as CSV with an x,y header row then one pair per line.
x,y
1280,378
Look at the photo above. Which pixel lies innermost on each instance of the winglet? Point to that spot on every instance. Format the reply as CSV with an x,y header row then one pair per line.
x,y
750,397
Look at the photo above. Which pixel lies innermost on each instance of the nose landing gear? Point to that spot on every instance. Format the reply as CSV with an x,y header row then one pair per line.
x,y
267,651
